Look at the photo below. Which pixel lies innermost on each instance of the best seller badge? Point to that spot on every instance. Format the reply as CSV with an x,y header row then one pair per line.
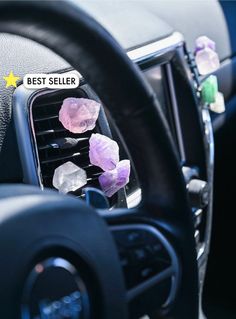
x,y
51,81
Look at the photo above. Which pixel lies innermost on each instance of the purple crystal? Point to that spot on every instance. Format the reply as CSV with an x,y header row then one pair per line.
x,y
203,42
79,115
112,181
207,61
103,152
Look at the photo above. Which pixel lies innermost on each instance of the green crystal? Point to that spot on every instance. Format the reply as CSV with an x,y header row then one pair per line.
x,y
209,89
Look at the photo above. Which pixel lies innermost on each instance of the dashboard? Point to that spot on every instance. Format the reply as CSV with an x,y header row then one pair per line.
x,y
168,67
30,129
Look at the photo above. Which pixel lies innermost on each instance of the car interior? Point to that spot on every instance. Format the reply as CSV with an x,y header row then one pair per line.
x,y
117,135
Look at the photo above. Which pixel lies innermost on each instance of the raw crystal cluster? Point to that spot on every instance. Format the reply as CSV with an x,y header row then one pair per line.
x,y
103,152
207,61
112,181
69,177
206,58
79,115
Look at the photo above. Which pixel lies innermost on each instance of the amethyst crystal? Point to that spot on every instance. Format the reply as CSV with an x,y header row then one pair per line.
x,y
207,59
79,115
112,181
204,42
103,152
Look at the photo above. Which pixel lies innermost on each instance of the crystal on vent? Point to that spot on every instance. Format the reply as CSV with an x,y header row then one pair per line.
x,y
203,42
103,152
207,61
209,89
112,181
79,115
206,57
69,177
219,105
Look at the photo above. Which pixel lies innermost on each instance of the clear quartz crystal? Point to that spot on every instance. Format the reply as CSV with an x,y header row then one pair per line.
x,y
219,105
103,152
112,181
69,177
79,115
207,61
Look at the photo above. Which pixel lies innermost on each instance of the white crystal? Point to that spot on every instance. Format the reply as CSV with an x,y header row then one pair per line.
x,y
69,177
219,105
207,61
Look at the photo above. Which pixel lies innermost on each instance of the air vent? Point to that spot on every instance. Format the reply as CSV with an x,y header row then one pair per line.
x,y
49,134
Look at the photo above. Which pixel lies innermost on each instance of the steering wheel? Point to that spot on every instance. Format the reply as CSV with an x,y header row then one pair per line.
x,y
55,246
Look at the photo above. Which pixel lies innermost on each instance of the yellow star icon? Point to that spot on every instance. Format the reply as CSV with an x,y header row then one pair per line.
x,y
11,79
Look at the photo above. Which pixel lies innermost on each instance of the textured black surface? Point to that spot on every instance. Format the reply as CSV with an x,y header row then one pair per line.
x,y
21,56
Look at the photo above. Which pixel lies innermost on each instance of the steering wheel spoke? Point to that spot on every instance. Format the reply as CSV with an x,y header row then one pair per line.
x,y
150,266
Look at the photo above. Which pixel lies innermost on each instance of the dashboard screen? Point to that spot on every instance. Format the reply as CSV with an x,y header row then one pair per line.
x,y
161,80
156,78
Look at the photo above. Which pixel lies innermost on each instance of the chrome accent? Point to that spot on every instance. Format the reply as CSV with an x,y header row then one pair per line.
x,y
209,144
200,250
156,48
172,272
198,217
134,199
26,141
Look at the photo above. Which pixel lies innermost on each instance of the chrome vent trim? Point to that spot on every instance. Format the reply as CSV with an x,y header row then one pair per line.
x,y
156,48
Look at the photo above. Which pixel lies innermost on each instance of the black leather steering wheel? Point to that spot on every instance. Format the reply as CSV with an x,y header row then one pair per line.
x,y
37,226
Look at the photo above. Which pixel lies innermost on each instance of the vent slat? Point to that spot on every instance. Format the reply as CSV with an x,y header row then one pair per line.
x,y
95,175
51,131
55,145
45,118
48,104
62,158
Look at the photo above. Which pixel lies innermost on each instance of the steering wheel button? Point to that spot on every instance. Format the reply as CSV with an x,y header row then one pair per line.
x,y
157,252
128,238
147,272
140,255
